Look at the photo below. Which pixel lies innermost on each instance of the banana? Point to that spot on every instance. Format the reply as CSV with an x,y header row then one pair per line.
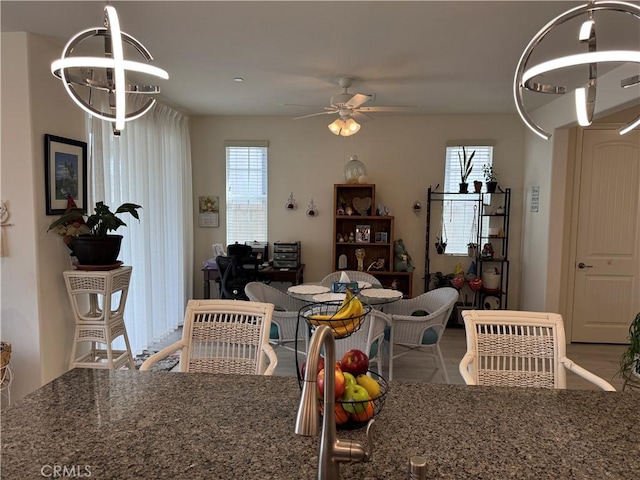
x,y
346,320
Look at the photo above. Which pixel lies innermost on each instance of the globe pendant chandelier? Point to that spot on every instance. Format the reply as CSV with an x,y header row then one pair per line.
x,y
85,78
528,77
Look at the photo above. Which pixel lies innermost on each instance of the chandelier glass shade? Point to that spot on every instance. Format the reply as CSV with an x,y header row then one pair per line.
x,y
86,77
530,78
345,126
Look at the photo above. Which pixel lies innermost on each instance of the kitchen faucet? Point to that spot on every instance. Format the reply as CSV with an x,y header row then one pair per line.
x,y
332,450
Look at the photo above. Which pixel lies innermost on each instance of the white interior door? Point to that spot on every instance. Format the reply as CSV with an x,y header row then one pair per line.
x,y
607,268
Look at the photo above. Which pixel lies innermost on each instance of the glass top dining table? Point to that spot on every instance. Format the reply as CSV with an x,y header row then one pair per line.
x,y
315,292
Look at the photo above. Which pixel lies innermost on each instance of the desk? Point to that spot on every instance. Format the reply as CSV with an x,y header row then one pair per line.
x,y
152,425
292,275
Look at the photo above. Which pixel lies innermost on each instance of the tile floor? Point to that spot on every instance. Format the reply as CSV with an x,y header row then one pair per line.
x,y
601,359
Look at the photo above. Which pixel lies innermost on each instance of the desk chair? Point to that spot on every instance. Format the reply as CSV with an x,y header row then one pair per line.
x,y
234,277
223,336
518,349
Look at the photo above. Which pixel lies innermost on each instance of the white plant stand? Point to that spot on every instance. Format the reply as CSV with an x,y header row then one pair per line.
x,y
99,324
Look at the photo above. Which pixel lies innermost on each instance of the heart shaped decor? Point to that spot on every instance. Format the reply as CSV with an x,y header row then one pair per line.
x,y
362,205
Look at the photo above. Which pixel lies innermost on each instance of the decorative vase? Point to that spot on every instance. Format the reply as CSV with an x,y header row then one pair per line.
x,y
491,187
464,188
355,171
477,185
97,250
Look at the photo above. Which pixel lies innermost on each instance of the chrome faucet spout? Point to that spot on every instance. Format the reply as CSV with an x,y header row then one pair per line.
x,y
332,450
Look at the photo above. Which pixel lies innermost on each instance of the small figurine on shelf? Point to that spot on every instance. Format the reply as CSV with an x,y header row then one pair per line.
x,y
340,238
360,257
348,210
352,237
402,259
487,251
394,284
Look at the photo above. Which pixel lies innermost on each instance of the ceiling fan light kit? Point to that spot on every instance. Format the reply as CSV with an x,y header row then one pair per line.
x,y
526,78
106,74
350,107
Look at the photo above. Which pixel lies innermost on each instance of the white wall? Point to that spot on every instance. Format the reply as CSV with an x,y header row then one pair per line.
x,y
403,156
36,315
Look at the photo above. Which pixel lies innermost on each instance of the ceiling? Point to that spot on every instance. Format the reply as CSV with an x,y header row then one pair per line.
x,y
445,57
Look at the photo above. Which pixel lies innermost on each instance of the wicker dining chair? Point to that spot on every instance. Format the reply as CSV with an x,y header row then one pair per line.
x,y
418,323
368,339
223,336
285,316
519,349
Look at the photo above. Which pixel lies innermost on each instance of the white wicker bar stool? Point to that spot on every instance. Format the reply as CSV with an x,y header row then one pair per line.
x,y
98,299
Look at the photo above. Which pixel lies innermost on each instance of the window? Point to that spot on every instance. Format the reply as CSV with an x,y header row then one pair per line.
x,y
246,191
459,217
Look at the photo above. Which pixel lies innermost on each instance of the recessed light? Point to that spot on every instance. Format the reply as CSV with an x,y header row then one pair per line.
x,y
238,79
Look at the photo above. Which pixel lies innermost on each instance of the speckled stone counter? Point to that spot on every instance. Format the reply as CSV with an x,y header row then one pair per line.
x,y
123,425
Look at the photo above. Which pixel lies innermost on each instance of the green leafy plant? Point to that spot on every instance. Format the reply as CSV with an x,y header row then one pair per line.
x,y
99,223
489,174
466,164
630,359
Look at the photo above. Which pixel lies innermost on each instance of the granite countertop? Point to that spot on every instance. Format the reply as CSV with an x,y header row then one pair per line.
x,y
158,425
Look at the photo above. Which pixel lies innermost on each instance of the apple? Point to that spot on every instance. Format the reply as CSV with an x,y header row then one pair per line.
x,y
339,382
349,379
355,399
355,362
303,367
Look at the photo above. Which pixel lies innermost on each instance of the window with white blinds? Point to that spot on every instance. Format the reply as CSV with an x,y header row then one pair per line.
x,y
460,217
246,191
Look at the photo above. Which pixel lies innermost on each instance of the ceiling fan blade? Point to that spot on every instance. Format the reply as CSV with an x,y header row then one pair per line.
x,y
399,108
299,105
361,117
357,100
316,114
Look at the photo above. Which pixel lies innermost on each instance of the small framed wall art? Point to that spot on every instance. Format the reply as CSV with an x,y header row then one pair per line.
x,y
208,211
65,168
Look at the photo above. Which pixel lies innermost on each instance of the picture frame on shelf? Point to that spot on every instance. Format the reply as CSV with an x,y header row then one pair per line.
x,y
363,233
65,171
382,237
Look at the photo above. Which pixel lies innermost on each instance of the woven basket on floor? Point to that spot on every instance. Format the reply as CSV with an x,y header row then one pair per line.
x,y
5,356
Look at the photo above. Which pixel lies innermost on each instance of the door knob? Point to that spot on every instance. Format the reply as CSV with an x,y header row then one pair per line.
x,y
582,265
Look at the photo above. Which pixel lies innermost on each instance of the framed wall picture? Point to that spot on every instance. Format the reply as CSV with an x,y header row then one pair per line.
x,y
382,237
209,211
363,233
65,170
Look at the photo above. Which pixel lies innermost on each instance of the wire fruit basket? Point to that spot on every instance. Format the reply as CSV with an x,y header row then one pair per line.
x,y
351,415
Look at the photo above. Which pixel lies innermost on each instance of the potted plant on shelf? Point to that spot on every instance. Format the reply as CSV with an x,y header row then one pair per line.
x,y
465,169
630,359
490,178
88,237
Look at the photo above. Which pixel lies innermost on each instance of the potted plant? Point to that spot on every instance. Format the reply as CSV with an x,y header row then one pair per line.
x,y
477,186
630,359
88,237
441,245
466,166
490,178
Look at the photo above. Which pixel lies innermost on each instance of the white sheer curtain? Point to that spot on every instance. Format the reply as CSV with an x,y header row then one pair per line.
x,y
150,165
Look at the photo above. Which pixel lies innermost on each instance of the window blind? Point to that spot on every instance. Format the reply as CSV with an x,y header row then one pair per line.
x,y
459,218
246,191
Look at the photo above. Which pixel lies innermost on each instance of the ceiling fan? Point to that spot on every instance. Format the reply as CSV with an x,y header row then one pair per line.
x,y
350,107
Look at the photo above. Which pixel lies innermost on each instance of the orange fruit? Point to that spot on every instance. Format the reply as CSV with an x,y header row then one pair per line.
x,y
365,415
341,415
